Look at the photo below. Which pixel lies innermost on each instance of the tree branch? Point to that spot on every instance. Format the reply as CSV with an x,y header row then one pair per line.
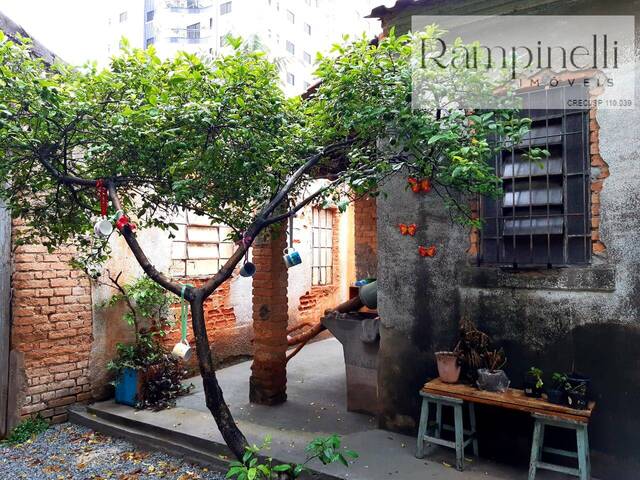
x,y
141,257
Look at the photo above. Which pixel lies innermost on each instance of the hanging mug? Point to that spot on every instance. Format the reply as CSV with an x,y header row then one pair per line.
x,y
248,269
103,228
291,257
182,350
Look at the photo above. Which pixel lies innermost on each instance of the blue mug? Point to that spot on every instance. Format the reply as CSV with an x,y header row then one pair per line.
x,y
291,257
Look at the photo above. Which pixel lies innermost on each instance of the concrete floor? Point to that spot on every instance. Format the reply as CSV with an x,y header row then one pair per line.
x,y
316,406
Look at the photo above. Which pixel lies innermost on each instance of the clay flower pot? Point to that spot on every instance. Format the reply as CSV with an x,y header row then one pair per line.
x,y
448,367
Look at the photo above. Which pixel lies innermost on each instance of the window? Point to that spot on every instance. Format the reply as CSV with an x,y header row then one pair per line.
x,y
291,78
543,217
192,4
224,40
291,17
211,23
149,16
225,8
123,17
306,57
193,31
291,48
307,29
199,248
322,246
149,41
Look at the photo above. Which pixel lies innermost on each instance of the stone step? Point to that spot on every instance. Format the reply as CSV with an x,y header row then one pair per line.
x,y
193,449
156,437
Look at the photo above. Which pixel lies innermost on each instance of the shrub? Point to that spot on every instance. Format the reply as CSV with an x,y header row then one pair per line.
x,y
26,430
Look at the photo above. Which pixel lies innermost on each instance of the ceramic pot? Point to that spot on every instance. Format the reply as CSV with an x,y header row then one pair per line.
x,y
448,367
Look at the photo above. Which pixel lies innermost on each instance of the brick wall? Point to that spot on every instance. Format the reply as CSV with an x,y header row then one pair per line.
x,y
51,330
229,340
366,237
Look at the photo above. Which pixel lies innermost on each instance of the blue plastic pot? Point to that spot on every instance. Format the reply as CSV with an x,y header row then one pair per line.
x,y
128,387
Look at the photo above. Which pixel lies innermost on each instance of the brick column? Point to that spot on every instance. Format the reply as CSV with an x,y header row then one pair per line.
x,y
268,384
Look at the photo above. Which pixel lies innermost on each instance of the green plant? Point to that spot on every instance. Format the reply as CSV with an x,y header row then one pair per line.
x,y
559,381
536,373
26,430
325,449
148,312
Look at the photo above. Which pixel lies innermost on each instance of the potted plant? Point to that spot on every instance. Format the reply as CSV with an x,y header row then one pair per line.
x,y
557,393
492,378
533,383
146,375
577,389
470,350
448,366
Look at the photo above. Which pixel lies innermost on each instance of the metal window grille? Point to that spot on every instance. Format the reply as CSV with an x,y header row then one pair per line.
x,y
322,247
193,31
225,8
543,217
199,248
291,47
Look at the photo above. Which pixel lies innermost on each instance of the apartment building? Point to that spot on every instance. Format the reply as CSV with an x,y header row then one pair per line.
x,y
292,32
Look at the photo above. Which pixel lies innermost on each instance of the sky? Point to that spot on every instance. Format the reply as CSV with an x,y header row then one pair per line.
x,y
75,30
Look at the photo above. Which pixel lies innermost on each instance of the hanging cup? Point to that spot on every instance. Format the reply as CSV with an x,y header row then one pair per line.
x,y
248,269
182,350
103,228
291,257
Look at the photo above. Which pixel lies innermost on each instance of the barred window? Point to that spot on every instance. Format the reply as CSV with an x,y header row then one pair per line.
x,y
322,246
543,217
199,248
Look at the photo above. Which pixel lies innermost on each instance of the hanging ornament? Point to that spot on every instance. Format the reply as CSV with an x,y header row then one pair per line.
x,y
408,229
427,251
419,185
291,257
248,269
123,221
103,227
182,349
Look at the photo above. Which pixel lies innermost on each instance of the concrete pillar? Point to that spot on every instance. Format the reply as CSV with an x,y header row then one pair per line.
x,y
268,383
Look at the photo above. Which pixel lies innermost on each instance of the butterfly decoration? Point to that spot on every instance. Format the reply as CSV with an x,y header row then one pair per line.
x,y
408,229
427,251
419,185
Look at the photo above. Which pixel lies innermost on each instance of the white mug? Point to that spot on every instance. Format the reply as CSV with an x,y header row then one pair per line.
x,y
182,350
103,228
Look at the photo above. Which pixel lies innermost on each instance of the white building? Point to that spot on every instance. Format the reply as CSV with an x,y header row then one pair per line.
x,y
291,31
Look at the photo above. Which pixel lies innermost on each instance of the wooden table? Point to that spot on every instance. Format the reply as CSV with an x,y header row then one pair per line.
x,y
543,412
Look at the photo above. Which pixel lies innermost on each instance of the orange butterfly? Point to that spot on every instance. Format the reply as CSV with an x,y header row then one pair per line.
x,y
408,229
427,251
417,186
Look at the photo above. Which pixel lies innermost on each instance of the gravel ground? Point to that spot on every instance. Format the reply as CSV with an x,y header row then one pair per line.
x,y
70,452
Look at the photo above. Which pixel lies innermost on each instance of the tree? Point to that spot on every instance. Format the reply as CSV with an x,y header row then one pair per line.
x,y
216,136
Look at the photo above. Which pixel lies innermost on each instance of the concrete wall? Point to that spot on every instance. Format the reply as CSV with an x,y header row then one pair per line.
x,y
587,318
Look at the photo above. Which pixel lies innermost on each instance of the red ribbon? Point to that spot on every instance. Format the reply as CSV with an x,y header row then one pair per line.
x,y
103,197
123,221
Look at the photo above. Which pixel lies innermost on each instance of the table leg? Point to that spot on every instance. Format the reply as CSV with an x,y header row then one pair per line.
x,y
536,448
422,428
438,420
583,452
459,433
472,423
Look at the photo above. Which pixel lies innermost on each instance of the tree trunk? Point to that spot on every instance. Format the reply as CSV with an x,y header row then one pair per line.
x,y
232,435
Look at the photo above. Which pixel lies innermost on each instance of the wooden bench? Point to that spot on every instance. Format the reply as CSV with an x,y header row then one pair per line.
x,y
544,413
